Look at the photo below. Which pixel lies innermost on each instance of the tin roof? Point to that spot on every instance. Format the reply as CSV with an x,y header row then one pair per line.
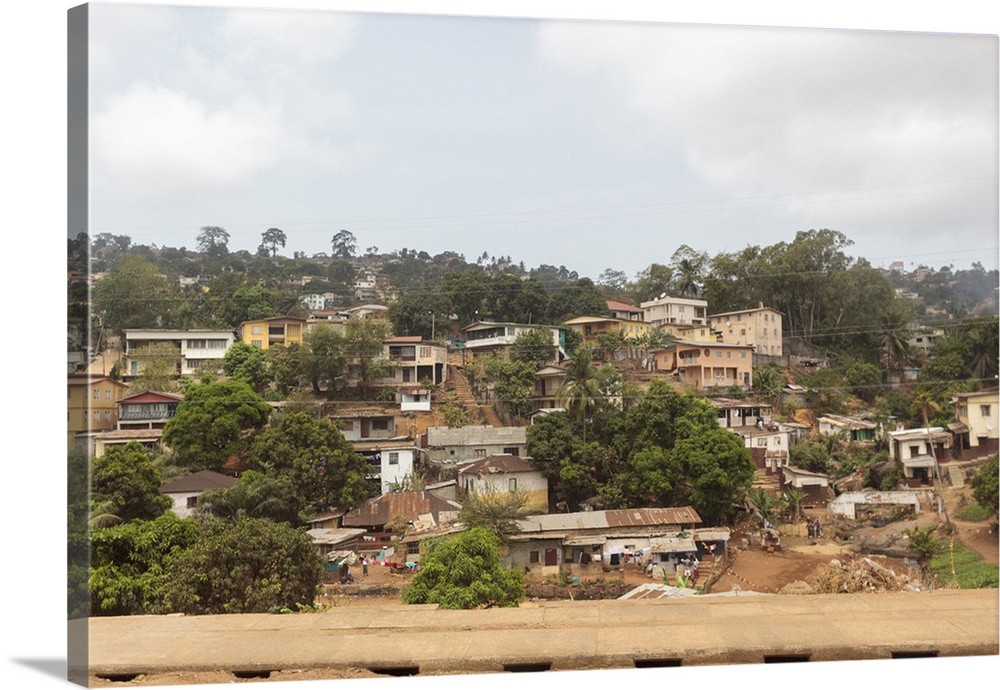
x,y
605,519
496,464
408,504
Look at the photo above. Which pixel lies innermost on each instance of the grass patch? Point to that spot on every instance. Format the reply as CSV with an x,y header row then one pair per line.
x,y
975,513
970,571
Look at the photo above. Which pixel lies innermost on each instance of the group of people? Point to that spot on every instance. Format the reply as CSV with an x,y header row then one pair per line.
x,y
690,564
815,528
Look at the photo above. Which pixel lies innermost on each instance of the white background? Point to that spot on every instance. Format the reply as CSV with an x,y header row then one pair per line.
x,y
33,173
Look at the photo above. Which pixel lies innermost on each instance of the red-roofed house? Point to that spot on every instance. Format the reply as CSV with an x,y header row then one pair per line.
x,y
622,310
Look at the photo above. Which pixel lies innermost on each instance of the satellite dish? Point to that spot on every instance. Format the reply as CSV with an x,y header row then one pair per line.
x,y
662,295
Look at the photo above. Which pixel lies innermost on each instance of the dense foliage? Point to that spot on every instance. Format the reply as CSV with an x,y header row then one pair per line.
x,y
465,572
214,423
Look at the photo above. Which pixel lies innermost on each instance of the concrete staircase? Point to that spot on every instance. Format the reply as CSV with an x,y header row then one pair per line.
x,y
463,396
956,476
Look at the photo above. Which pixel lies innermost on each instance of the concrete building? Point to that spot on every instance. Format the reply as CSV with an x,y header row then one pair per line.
x,y
977,424
194,348
760,328
505,474
447,446
675,310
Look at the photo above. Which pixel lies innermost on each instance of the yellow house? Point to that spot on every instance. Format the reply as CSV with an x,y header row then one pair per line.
x,y
92,408
277,330
707,365
592,326
760,327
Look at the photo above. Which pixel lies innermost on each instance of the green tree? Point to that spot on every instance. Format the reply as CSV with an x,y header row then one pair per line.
x,y
287,366
254,495
923,544
324,358
213,240
249,364
717,470
580,390
128,574
344,244
213,423
313,456
134,294
985,486
271,239
810,455
127,479
250,566
465,572
364,342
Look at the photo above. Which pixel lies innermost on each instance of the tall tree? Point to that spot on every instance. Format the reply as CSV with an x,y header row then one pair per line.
x,y
271,239
324,358
249,364
254,495
127,478
213,423
344,244
213,241
580,390
313,456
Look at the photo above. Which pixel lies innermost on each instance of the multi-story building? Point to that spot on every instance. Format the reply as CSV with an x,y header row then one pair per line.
x,y
277,330
92,408
193,347
147,410
447,446
674,310
977,423
590,327
623,310
484,337
706,365
417,362
759,328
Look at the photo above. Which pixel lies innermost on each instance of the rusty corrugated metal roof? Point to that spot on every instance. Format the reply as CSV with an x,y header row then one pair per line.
x,y
408,504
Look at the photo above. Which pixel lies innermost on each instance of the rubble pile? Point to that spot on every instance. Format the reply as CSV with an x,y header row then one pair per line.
x,y
860,575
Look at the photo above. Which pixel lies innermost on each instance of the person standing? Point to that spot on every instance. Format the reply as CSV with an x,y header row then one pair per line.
x,y
364,566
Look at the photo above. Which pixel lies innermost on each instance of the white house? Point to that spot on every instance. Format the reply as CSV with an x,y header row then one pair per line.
x,y
391,463
919,451
447,446
675,310
195,347
186,491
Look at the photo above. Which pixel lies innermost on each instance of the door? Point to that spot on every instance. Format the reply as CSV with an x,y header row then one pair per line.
x,y
551,557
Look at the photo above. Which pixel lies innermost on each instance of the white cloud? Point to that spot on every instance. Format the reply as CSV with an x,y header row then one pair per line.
x,y
154,143
796,109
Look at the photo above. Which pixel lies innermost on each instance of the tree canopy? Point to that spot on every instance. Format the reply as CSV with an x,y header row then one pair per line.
x,y
465,572
213,423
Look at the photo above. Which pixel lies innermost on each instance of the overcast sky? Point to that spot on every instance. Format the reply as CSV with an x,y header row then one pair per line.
x,y
590,144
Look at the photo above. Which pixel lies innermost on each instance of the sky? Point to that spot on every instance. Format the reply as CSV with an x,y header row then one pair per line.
x,y
586,143
676,130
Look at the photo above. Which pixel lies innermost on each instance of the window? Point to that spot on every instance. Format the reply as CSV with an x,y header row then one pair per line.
x,y
107,394
192,502
532,557
512,450
425,353
393,458
348,424
743,355
743,331
97,394
257,343
256,330
512,484
479,453
718,354
97,416
984,410
107,415
729,355
761,442
380,424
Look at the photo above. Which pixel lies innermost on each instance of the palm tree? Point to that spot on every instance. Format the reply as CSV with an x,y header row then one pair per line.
x,y
580,390
793,498
688,275
254,495
925,402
